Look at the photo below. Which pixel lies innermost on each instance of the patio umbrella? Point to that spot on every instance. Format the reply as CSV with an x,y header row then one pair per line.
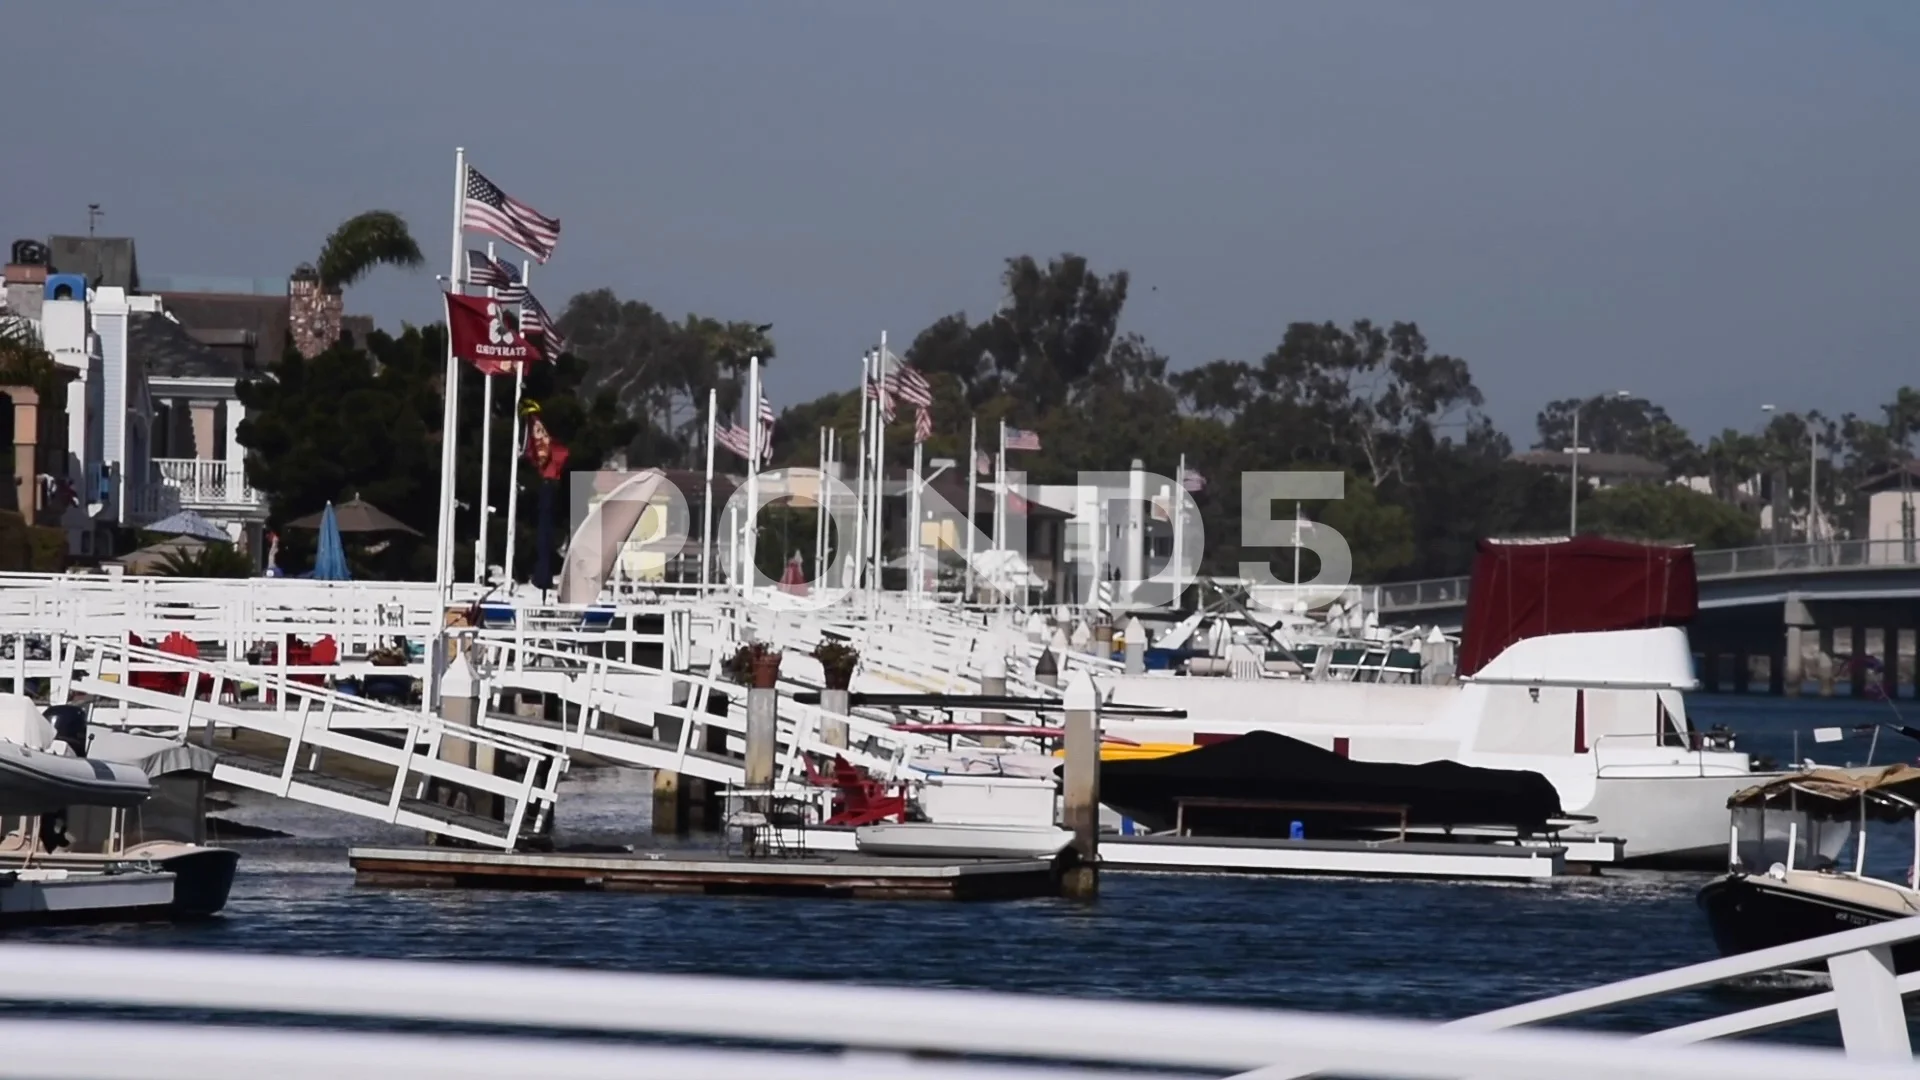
x,y
356,515
330,563
188,523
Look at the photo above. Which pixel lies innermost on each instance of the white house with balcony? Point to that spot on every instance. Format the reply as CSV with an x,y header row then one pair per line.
x,y
152,414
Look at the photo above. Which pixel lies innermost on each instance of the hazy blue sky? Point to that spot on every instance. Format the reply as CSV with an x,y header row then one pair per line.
x,y
1710,203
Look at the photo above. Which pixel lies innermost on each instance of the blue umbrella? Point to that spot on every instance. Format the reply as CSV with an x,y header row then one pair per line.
x,y
330,563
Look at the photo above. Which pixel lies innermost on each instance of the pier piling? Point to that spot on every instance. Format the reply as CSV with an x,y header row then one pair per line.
x,y
993,683
834,732
763,703
1081,788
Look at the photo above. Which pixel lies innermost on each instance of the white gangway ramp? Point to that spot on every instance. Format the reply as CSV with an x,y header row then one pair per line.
x,y
319,727
650,717
735,1029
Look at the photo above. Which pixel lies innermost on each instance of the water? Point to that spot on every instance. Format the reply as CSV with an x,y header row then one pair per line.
x,y
1406,949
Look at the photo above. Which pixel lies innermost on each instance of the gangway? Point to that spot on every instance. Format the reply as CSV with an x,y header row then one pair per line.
x,y
399,766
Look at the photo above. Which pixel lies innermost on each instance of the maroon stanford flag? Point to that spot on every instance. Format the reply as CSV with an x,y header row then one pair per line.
x,y
484,336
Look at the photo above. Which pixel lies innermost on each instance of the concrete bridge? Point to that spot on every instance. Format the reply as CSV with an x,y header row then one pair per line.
x,y
1774,616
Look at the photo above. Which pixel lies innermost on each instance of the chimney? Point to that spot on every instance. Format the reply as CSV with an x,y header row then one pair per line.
x,y
313,312
25,279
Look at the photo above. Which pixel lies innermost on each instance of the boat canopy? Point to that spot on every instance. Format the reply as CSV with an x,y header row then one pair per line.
x,y
1892,793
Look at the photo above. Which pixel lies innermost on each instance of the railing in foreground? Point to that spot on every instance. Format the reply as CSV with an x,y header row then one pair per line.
x,y
815,1030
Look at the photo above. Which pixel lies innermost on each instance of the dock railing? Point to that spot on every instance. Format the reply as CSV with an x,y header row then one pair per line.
x,y
714,1028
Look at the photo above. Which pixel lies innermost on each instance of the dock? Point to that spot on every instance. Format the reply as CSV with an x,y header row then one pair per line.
x,y
848,875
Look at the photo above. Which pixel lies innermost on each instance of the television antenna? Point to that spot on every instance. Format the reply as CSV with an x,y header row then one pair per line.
x,y
94,214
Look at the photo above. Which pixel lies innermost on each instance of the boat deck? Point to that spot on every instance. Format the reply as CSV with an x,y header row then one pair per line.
x,y
817,874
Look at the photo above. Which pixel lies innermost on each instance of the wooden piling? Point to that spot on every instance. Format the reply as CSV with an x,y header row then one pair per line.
x,y
833,732
1081,788
763,704
1136,648
993,683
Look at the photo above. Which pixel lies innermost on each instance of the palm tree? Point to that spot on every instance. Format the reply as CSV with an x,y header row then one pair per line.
x,y
362,242
205,561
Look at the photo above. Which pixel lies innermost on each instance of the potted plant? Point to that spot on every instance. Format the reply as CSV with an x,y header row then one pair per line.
x,y
837,660
755,664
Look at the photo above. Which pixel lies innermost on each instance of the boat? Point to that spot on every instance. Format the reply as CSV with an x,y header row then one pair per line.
x,y
1573,666
1798,860
938,840
74,852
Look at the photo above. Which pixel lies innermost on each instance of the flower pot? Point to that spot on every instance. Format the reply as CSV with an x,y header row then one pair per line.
x,y
766,670
838,677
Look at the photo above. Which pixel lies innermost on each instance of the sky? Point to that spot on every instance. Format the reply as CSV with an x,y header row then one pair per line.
x,y
1710,204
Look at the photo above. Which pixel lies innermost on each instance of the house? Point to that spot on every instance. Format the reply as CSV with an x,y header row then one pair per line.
x,y
151,413
1598,469
1892,499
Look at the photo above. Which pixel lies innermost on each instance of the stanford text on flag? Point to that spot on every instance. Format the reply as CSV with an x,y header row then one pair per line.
x,y
487,209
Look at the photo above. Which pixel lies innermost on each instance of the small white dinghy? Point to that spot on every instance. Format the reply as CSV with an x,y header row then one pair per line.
x,y
937,840
41,775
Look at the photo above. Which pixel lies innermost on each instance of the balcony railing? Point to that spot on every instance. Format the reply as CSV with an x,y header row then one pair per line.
x,y
197,483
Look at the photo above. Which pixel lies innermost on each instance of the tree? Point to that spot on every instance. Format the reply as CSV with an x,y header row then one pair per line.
x,y
1666,513
1611,424
362,242
205,561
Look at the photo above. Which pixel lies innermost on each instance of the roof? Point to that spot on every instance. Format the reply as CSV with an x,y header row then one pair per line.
x,y
1894,790
1626,466
952,486
1891,479
105,260
263,316
168,351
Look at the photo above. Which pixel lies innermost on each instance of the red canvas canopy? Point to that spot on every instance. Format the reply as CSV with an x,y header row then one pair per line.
x,y
1524,589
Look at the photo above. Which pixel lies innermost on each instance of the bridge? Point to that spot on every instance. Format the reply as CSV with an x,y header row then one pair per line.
x,y
1811,610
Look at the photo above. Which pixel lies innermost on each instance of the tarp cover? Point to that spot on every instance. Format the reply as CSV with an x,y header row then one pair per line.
x,y
1265,766
1525,589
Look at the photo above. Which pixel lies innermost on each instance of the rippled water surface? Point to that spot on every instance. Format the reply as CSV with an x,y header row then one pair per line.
x,y
1411,949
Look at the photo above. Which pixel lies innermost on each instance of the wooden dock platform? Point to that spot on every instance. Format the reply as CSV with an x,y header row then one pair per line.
x,y
832,874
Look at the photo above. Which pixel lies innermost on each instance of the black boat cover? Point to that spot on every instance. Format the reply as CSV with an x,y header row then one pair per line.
x,y
1265,767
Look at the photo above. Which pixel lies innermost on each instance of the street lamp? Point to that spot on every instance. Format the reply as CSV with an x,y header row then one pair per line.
x,y
1573,474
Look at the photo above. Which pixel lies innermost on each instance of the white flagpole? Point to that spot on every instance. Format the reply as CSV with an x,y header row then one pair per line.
x,y
449,417
1000,494
1178,515
856,571
880,475
486,461
753,470
519,450
973,486
706,504
820,504
917,586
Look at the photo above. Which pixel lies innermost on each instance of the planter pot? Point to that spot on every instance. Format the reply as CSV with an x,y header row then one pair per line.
x,y
766,671
838,678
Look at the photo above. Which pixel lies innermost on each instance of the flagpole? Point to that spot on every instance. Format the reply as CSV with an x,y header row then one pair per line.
x,y
880,474
1178,512
1000,493
519,450
819,502
754,436
486,460
973,485
913,522
706,504
450,414
856,571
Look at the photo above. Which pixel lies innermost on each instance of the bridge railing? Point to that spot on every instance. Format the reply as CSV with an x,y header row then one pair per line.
x,y
1717,565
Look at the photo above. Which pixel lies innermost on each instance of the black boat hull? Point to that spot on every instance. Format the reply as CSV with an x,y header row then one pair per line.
x,y
1747,913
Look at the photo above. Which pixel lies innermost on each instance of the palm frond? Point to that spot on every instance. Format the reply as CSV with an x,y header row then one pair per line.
x,y
362,242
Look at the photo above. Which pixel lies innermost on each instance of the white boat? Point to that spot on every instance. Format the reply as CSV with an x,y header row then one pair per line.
x,y
45,895
927,839
1599,714
39,774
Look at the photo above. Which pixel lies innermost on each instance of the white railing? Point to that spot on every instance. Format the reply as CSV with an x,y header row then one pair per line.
x,y
780,1030
206,483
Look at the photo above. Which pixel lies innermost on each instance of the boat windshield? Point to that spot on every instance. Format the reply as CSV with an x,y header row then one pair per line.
x,y
1765,836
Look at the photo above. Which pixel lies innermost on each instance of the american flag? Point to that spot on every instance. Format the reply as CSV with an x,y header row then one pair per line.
x,y
1193,481
487,209
880,388
910,386
1017,439
922,424
499,275
536,324
738,439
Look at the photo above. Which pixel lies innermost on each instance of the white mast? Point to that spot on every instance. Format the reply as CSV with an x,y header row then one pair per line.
x,y
706,504
973,486
513,466
450,416
856,571
753,470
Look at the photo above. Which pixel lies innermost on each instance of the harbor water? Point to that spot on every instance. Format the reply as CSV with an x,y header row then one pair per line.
x,y
1428,950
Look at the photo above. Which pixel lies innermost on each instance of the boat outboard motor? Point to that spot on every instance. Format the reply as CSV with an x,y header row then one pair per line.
x,y
69,726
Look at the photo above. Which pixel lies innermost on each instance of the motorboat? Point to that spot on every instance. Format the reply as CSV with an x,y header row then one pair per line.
x,y
92,851
937,840
42,774
1573,666
1798,860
